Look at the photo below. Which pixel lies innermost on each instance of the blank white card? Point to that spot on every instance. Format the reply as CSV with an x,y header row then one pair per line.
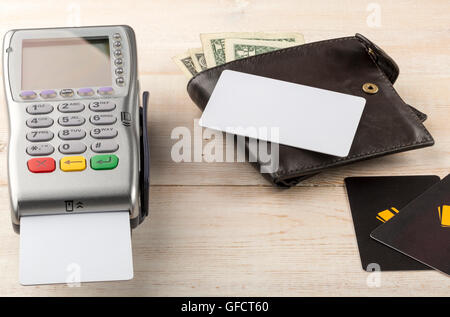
x,y
75,248
306,117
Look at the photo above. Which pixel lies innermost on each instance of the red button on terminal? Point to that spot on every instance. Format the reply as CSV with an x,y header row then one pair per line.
x,y
41,165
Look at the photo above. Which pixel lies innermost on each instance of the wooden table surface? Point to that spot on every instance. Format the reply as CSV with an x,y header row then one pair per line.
x,y
220,228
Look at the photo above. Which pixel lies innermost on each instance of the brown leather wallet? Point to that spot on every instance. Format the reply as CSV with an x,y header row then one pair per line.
x,y
344,65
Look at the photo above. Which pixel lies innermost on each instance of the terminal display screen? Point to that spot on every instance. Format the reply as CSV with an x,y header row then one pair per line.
x,y
58,63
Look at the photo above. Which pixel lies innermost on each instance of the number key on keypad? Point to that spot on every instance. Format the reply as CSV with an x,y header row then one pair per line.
x,y
39,122
39,135
72,148
40,149
72,134
104,146
40,108
71,107
103,133
103,119
102,106
71,120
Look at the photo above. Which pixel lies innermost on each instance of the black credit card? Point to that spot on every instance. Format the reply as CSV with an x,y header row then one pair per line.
x,y
422,229
376,200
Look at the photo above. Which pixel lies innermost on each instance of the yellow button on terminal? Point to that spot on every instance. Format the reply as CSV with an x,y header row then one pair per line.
x,y
72,163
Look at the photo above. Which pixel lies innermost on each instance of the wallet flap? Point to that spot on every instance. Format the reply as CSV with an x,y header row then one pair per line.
x,y
386,64
343,65
383,60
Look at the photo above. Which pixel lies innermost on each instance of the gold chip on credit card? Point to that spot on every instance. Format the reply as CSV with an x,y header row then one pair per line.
x,y
444,215
387,214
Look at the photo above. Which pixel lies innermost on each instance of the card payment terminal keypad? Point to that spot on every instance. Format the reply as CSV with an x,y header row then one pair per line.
x,y
71,132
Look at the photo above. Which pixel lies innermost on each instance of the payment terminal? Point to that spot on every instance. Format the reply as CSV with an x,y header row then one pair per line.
x,y
78,135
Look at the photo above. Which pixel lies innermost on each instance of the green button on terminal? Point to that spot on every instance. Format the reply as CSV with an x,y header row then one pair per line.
x,y
104,162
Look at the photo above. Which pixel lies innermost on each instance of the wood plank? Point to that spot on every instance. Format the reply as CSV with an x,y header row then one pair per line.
x,y
256,242
163,32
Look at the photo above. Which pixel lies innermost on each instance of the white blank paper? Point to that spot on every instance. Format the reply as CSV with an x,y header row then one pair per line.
x,y
306,117
74,248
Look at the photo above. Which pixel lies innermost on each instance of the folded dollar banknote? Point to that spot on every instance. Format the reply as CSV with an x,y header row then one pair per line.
x,y
220,48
